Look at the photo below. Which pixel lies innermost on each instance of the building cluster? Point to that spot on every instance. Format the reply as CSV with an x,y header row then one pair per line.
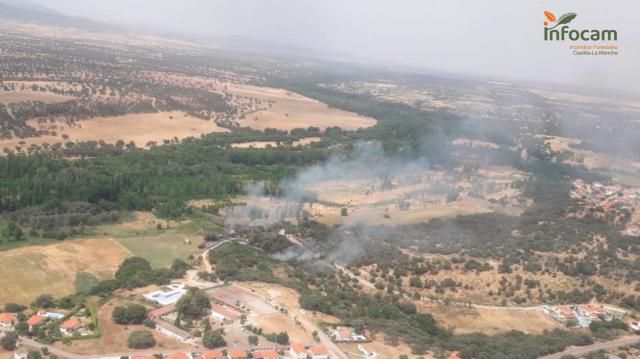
x,y
295,351
608,199
165,315
582,315
69,325
341,334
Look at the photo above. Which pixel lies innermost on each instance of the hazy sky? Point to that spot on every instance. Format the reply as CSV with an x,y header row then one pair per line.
x,y
501,38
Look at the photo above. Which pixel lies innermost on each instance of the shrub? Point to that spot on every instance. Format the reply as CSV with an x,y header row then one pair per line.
x,y
141,339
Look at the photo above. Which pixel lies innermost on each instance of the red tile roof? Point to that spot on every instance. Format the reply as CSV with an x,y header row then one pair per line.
x,y
177,356
156,313
143,357
266,354
318,350
36,319
236,353
213,354
7,317
454,355
297,348
70,323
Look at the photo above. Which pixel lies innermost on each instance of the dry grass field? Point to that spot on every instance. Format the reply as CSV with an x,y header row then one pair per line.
x,y
29,271
7,97
139,128
489,321
292,110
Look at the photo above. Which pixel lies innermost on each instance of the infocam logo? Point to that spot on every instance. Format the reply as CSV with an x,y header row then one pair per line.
x,y
559,30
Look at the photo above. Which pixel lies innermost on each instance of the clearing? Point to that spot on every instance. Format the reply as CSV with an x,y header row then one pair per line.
x,y
28,272
139,128
289,110
7,97
466,320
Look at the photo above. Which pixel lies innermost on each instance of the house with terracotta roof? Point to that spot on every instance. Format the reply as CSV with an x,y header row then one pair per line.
x,y
69,326
161,312
180,355
36,320
266,354
143,357
237,354
319,352
213,354
297,351
7,320
454,355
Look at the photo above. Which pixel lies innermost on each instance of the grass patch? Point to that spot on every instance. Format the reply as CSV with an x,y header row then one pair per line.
x,y
85,281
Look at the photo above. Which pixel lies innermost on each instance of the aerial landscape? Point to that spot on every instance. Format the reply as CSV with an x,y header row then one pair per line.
x,y
172,196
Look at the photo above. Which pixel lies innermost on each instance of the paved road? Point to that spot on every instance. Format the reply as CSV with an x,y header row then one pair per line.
x,y
612,344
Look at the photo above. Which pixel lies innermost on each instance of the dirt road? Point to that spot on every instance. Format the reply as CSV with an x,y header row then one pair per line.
x,y
612,344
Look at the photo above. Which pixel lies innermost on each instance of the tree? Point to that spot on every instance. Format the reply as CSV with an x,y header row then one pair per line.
x,y
213,339
141,339
282,338
22,328
14,308
34,354
131,314
149,323
44,301
12,232
8,342
344,212
193,304
253,340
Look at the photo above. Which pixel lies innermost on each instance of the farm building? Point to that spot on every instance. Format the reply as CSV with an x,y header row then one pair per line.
x,y
172,331
161,312
224,313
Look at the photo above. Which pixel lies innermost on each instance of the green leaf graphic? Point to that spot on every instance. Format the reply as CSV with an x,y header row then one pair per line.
x,y
566,18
